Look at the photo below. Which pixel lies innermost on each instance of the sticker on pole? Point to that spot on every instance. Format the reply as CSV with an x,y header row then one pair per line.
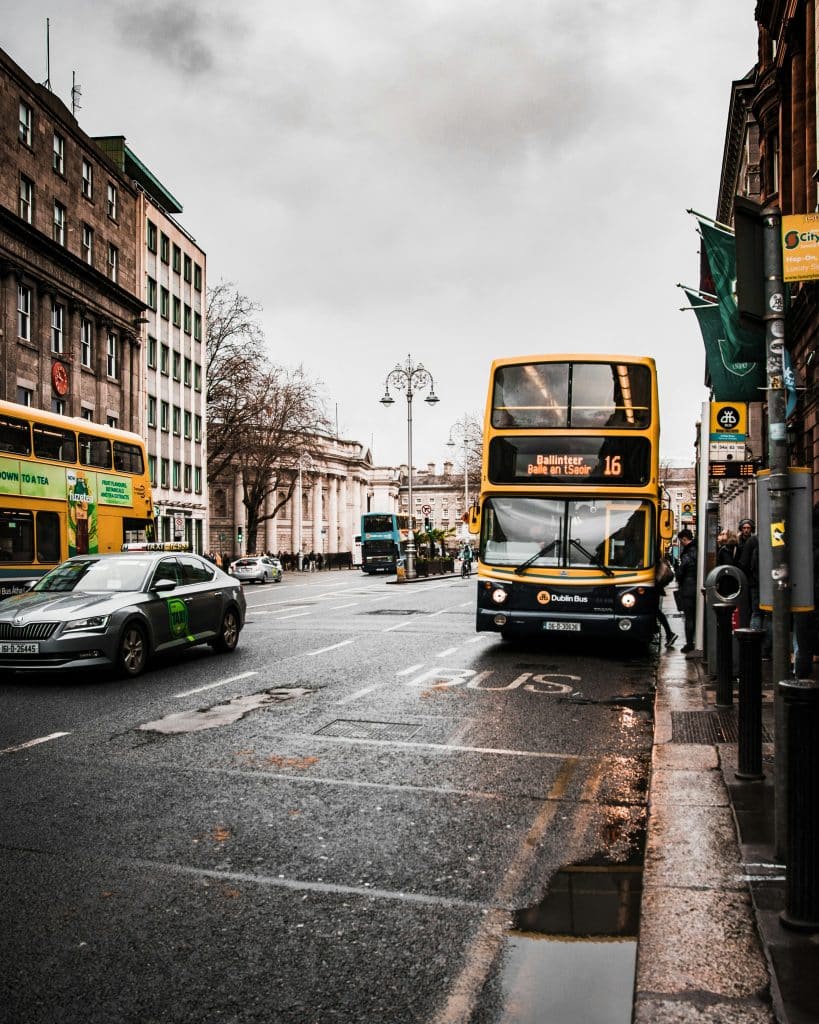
x,y
777,535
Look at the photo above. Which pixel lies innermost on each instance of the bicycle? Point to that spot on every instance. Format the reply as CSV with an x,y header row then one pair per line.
x,y
466,568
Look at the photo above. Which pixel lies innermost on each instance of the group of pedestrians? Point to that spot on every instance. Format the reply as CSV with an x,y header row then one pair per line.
x,y
306,561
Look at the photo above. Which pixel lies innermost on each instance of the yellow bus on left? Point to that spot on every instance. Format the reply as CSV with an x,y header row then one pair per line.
x,y
67,487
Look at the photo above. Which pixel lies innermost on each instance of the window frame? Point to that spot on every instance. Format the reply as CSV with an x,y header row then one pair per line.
x,y
25,124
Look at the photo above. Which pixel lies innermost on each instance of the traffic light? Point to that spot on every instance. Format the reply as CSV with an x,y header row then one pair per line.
x,y
239,534
426,523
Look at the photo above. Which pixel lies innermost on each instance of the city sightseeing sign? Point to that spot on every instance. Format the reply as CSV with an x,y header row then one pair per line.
x,y
800,247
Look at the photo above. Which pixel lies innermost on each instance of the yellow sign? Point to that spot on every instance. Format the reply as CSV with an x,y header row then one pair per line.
x,y
777,535
800,247
729,420
544,597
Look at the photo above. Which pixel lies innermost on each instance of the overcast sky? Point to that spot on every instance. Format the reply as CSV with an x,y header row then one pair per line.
x,y
455,179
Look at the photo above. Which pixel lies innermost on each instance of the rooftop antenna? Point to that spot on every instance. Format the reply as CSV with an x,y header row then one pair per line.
x,y
76,92
47,82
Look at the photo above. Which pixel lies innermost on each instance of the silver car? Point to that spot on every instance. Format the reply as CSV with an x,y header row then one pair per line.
x,y
257,569
119,610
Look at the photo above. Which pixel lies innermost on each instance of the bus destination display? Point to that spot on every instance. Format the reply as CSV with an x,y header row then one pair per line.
x,y
615,461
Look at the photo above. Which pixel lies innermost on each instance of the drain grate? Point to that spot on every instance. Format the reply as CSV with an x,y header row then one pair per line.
x,y
351,729
717,726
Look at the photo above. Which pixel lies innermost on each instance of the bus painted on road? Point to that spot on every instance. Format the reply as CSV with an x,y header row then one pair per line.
x,y
384,537
569,513
67,487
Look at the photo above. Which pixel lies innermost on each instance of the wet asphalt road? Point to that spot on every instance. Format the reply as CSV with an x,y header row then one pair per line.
x,y
351,850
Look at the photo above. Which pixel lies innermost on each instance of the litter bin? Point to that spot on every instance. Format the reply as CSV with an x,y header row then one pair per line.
x,y
724,585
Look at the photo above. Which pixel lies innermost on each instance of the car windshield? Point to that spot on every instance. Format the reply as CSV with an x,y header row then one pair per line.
x,y
85,575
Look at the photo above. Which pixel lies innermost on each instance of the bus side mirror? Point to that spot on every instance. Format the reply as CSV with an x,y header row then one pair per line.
x,y
474,522
666,524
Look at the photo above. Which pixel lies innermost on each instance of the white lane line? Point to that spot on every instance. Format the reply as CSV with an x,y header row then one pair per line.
x,y
221,682
33,743
359,693
278,605
332,647
298,615
443,611
446,653
389,629
410,670
454,748
388,597
466,604
338,607
475,639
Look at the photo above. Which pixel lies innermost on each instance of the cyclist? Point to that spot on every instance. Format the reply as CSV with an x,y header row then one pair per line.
x,y
466,560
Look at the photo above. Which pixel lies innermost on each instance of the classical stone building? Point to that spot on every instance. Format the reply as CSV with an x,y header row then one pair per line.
x,y
69,303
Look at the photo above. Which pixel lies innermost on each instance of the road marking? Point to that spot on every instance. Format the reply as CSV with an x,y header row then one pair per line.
x,y
446,748
212,686
391,628
33,743
276,604
298,615
332,647
475,639
338,607
446,653
360,693
410,670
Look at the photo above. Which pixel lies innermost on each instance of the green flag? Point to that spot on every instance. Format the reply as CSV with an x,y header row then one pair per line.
x,y
731,381
745,344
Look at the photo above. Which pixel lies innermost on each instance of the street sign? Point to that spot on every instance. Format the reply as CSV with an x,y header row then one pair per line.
x,y
729,421
800,247
426,509
731,470
726,451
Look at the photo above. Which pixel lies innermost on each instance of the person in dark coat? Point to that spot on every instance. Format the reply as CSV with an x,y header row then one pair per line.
x,y
727,544
687,586
805,623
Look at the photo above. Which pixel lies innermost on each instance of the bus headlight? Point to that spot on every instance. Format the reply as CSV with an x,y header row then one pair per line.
x,y
499,595
628,600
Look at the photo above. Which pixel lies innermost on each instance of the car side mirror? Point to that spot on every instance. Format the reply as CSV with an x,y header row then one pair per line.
x,y
163,586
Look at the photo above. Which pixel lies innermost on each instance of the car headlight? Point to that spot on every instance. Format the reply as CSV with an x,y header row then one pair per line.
x,y
628,600
499,596
93,623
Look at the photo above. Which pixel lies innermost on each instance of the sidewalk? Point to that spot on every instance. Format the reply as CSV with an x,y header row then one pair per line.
x,y
711,946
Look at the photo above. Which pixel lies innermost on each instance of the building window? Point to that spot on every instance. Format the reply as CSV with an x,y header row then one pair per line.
x,y
86,347
113,262
197,277
24,395
188,474
87,414
165,466
177,419
177,260
26,122
23,312
188,264
152,469
164,303
164,248
151,411
177,474
58,406
59,223
150,298
187,319
197,326
151,352
164,356
177,311
111,355
187,420
112,201
197,377
111,421
87,245
58,153
164,409
26,199
177,361
197,479
87,179
150,236
57,322
187,372
197,428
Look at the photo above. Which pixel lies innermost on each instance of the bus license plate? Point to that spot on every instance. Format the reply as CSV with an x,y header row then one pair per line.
x,y
19,648
564,627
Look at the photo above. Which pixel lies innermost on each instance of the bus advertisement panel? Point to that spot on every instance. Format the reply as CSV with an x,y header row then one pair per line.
x,y
569,506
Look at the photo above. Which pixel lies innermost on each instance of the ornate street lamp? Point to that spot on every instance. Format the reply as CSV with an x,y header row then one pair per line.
x,y
467,430
304,462
410,379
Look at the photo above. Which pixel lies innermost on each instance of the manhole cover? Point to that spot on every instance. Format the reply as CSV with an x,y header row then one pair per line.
x,y
349,729
717,726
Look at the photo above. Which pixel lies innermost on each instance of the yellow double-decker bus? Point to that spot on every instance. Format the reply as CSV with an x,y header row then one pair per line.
x,y
570,513
67,487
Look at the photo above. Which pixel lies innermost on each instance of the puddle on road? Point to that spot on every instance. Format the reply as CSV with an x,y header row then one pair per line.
x,y
572,957
224,713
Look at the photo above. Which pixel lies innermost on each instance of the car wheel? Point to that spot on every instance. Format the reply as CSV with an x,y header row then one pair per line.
x,y
229,632
133,650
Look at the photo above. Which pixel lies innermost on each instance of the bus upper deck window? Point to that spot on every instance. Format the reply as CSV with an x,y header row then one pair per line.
x,y
54,443
128,458
15,437
95,451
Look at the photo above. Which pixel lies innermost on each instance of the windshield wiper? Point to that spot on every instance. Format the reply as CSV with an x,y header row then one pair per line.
x,y
591,557
538,554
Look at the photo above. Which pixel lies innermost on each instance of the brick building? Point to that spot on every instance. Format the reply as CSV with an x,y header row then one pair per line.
x,y
69,305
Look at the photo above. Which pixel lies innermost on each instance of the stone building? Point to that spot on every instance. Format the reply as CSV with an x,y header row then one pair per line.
x,y
69,306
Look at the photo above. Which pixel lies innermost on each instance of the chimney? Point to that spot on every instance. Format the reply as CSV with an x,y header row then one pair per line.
x,y
431,468
447,469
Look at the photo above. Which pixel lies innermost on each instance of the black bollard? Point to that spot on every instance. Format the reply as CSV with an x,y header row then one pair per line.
x,y
801,713
749,754
725,655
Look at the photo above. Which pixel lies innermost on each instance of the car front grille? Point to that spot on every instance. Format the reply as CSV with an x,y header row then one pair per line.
x,y
31,631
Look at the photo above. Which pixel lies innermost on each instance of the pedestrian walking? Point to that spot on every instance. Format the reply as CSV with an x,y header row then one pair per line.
x,y
727,544
664,575
687,586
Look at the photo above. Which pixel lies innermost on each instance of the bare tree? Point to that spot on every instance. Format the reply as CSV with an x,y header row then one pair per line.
x,y
466,436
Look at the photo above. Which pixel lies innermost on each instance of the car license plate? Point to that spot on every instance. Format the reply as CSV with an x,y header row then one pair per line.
x,y
564,627
19,648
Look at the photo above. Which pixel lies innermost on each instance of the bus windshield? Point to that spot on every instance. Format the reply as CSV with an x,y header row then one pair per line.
x,y
584,396
567,534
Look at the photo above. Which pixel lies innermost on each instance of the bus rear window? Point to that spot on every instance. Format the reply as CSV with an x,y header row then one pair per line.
x,y
95,451
53,443
128,458
14,436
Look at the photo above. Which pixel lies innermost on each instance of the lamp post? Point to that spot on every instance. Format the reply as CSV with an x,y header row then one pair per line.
x,y
304,462
463,427
409,379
